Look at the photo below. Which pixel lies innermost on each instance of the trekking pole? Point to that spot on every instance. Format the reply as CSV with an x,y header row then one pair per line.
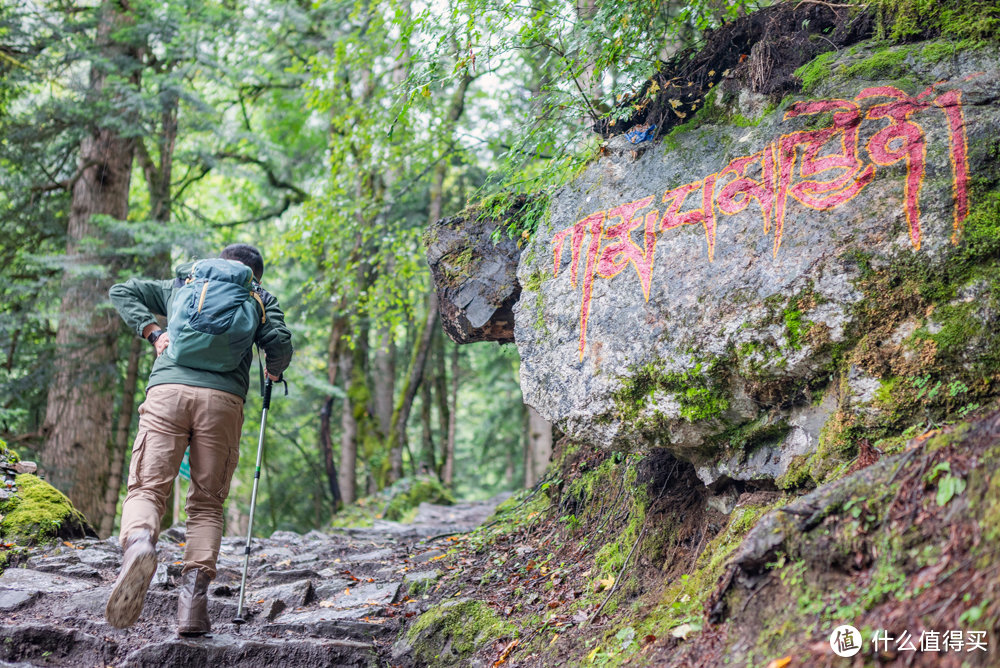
x,y
253,502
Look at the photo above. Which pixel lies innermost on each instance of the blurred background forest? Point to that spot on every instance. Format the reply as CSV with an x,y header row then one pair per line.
x,y
138,134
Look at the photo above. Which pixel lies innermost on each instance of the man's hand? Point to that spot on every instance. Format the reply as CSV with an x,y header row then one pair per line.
x,y
161,343
272,377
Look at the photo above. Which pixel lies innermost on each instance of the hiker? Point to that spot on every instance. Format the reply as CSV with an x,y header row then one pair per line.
x,y
215,311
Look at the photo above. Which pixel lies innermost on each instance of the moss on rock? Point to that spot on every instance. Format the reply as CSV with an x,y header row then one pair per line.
x,y
39,512
420,490
451,632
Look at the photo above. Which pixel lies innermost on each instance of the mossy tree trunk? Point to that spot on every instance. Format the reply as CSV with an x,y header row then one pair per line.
x,y
333,353
414,376
80,402
448,472
348,430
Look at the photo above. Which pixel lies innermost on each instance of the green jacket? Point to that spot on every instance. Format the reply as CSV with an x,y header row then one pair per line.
x,y
139,301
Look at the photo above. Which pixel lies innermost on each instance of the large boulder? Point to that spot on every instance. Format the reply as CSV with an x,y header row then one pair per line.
x,y
771,281
475,273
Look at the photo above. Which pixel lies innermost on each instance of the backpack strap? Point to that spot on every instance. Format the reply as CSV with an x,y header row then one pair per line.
x,y
255,290
263,313
190,276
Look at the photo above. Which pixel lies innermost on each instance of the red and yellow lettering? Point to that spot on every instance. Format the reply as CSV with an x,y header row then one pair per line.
x,y
705,215
902,139
735,195
622,250
837,189
578,232
797,165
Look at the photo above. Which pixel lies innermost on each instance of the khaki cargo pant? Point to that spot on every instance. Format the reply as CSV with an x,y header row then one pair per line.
x,y
171,418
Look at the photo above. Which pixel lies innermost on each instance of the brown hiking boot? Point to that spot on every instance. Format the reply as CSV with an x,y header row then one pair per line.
x,y
192,604
129,593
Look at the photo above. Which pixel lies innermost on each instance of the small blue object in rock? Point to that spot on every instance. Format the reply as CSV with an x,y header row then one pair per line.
x,y
640,134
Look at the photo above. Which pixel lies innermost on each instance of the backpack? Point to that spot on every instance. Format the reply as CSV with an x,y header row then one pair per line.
x,y
213,318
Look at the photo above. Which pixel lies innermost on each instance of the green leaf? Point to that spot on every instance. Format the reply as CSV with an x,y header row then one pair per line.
x,y
949,488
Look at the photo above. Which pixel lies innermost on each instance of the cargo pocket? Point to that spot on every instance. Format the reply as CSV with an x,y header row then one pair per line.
x,y
231,461
135,465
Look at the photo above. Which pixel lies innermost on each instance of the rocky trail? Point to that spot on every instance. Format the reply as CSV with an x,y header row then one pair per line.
x,y
317,599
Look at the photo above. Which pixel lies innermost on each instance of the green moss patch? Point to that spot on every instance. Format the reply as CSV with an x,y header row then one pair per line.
x,y
451,632
39,512
422,489
906,20
696,390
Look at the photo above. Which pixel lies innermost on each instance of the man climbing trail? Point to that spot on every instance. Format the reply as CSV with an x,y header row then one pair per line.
x,y
216,310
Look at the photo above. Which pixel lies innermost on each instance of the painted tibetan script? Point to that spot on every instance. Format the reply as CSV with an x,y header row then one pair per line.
x,y
797,166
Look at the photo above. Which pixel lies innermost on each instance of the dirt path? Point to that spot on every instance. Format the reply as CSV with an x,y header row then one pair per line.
x,y
316,599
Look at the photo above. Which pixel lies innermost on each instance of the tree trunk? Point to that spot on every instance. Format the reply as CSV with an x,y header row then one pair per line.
x,y
414,376
540,440
349,433
80,402
122,431
326,413
448,477
508,472
441,394
384,380
455,109
529,470
427,463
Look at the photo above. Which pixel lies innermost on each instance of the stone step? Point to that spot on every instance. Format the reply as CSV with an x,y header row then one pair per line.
x,y
332,624
226,649
42,644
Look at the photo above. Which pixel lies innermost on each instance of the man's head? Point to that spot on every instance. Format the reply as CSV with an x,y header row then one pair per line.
x,y
246,254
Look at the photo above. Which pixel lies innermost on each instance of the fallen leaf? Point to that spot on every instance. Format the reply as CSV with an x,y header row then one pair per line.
x,y
780,663
506,652
650,638
606,583
326,604
593,653
554,639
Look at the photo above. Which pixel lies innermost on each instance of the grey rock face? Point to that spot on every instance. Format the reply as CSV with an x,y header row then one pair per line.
x,y
691,288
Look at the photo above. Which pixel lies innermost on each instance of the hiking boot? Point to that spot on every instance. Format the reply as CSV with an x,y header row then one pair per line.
x,y
129,593
192,604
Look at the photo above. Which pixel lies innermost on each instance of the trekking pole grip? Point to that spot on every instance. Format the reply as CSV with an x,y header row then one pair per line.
x,y
268,384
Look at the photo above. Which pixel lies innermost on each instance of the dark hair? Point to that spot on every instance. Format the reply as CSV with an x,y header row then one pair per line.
x,y
246,254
